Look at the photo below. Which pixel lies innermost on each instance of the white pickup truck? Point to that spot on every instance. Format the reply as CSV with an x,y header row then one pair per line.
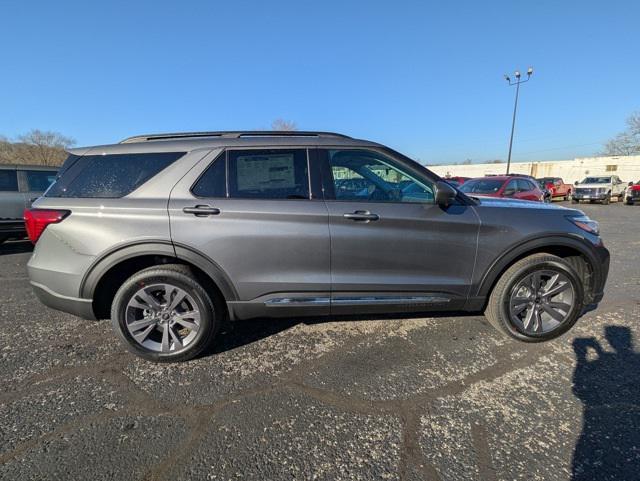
x,y
599,189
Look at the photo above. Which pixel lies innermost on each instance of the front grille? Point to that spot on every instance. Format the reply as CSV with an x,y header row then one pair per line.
x,y
591,191
635,194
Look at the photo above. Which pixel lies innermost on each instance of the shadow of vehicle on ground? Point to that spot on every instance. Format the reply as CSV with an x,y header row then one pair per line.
x,y
608,384
15,247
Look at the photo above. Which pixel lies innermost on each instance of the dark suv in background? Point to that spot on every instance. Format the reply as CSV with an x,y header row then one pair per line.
x,y
19,186
169,235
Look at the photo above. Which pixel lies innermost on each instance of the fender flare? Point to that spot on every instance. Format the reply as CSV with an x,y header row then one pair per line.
x,y
506,259
124,252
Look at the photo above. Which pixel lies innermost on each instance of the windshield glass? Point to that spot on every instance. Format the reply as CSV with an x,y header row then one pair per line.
x,y
596,180
482,186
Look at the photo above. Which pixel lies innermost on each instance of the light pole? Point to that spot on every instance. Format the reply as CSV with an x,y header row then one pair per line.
x,y
517,83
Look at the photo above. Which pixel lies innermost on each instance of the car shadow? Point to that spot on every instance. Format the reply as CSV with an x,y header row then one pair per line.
x,y
15,247
608,384
233,335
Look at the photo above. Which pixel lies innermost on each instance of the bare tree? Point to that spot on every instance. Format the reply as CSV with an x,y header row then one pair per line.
x,y
627,142
35,147
281,124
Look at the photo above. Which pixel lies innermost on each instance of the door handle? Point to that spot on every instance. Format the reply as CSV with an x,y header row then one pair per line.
x,y
201,210
361,215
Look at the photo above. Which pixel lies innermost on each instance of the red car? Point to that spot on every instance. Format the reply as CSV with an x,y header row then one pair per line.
x,y
456,181
503,186
557,187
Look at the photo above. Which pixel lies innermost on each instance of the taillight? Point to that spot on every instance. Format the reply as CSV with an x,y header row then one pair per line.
x,y
37,220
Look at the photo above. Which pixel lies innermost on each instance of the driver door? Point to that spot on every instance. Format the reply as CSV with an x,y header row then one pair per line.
x,y
391,245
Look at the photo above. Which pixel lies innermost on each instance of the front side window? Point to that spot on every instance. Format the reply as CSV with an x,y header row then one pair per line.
x,y
8,181
268,174
40,180
367,176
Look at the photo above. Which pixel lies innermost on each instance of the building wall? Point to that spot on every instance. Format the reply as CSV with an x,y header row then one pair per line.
x,y
627,168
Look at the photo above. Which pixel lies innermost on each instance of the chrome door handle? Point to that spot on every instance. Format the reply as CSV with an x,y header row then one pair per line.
x,y
361,215
201,210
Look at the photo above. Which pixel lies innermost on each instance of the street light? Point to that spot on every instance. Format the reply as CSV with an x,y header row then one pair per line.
x,y
518,80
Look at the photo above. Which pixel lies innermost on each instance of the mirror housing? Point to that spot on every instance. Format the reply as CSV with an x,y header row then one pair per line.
x,y
630,184
575,183
509,192
445,194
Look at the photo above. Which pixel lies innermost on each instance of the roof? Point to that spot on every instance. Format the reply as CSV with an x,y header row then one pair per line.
x,y
189,141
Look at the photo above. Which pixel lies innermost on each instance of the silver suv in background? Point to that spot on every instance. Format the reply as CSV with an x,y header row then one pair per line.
x,y
600,188
20,185
170,235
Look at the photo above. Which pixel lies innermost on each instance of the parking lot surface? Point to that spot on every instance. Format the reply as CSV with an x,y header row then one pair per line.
x,y
437,398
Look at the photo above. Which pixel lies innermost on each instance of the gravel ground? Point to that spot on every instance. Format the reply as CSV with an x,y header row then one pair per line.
x,y
443,398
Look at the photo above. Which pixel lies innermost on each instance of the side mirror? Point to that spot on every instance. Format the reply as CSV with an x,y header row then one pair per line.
x,y
509,192
445,194
630,184
575,183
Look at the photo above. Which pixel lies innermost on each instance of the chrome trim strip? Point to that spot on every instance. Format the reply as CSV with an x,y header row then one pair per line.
x,y
391,300
365,300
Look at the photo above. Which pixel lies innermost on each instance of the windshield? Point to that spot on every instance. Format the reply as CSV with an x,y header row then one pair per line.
x,y
596,180
481,186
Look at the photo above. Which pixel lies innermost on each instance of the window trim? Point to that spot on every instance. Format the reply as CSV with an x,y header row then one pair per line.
x,y
328,181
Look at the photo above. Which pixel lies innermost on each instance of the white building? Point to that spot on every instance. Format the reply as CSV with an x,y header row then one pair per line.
x,y
625,167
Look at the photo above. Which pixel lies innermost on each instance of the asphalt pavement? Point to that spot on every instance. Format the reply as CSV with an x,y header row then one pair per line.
x,y
437,398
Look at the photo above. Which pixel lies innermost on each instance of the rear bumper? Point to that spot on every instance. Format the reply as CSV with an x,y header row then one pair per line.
x,y
73,305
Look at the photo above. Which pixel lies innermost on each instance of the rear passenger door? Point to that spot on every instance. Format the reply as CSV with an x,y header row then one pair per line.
x,y
526,190
11,200
252,212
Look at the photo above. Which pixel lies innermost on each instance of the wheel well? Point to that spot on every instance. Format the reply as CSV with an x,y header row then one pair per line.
x,y
573,257
111,281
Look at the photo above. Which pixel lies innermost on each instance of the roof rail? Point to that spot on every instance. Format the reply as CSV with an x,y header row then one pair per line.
x,y
232,135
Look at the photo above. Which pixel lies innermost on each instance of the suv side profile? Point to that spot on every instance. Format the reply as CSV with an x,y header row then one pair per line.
x,y
19,186
170,235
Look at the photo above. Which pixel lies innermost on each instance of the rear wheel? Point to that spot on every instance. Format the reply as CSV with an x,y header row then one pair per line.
x,y
164,315
537,299
606,200
574,200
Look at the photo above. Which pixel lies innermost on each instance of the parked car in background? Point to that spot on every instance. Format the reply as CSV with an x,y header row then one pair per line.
x,y
557,187
511,186
632,193
456,181
599,189
20,185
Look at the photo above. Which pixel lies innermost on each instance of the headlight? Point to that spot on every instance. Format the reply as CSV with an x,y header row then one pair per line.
x,y
586,224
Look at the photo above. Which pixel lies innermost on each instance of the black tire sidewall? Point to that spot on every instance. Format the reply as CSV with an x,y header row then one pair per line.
x,y
517,277
205,305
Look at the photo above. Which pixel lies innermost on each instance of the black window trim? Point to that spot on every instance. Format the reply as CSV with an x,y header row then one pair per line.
x,y
18,183
226,151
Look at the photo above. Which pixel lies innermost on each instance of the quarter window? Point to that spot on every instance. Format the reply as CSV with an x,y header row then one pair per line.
x,y
8,181
367,176
213,182
268,174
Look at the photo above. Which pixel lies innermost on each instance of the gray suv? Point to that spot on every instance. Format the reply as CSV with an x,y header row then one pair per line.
x,y
171,235
19,186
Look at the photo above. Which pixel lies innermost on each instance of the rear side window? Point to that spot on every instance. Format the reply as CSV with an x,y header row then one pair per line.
x,y
8,181
268,174
40,180
109,176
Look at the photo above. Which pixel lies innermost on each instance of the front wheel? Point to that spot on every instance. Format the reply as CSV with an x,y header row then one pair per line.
x,y
606,200
164,315
537,299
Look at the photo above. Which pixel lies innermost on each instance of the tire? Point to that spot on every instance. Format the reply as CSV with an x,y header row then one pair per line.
x,y
166,323
629,202
606,200
574,201
499,313
3,239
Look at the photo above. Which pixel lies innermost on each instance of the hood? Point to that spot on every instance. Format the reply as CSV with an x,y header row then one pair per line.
x,y
522,204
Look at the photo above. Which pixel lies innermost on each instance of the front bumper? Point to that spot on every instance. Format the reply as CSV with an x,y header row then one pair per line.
x,y
581,196
73,305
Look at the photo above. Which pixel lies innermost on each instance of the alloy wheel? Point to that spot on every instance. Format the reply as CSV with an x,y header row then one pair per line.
x,y
541,301
162,318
